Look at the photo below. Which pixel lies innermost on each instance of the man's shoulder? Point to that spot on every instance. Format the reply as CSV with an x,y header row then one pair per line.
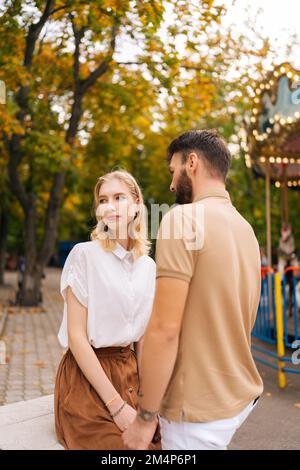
x,y
183,211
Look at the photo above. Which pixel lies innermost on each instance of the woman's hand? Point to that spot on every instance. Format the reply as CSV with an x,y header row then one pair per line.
x,y
125,417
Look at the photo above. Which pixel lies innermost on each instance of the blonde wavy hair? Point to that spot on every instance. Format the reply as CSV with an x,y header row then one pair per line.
x,y
138,238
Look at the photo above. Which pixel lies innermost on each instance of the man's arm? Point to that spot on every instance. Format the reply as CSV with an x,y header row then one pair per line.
x,y
161,344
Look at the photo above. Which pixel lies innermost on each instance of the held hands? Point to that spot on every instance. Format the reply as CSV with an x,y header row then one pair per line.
x,y
138,430
139,434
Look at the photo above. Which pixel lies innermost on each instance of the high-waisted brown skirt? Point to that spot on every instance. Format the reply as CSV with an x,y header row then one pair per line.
x,y
81,419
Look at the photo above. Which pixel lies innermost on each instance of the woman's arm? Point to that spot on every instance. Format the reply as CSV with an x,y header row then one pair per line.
x,y
88,362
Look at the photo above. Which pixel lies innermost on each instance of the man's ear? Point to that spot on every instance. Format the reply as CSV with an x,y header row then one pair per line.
x,y
192,162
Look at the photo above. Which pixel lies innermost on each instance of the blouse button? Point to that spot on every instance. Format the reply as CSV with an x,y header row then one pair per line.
x,y
130,390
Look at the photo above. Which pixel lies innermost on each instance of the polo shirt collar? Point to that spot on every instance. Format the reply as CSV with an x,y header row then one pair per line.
x,y
121,253
212,192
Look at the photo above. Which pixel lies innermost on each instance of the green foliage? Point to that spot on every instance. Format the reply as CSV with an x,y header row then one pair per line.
x,y
181,69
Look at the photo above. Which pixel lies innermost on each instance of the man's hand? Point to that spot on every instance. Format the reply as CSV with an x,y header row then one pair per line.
x,y
139,434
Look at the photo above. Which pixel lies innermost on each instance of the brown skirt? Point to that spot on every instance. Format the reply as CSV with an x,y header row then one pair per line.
x,y
81,419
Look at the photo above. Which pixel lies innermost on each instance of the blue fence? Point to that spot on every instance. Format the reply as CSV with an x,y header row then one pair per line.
x,y
265,326
291,305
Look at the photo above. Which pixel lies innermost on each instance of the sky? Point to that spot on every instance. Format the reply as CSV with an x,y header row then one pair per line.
x,y
278,19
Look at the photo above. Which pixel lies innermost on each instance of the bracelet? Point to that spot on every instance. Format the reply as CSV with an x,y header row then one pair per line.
x,y
113,399
119,410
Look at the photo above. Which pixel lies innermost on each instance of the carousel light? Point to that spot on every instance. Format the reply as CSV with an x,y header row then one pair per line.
x,y
277,184
289,120
297,115
247,156
276,73
289,74
276,117
262,86
282,69
268,86
253,119
254,110
294,183
258,91
271,120
282,121
292,160
296,78
248,163
289,184
269,130
272,160
278,160
285,160
276,128
255,132
262,159
271,82
298,160
299,182
256,100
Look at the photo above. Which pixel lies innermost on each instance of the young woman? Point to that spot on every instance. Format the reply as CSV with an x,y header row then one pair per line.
x,y
108,288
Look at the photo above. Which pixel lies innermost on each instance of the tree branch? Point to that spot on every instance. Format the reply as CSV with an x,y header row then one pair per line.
x,y
52,217
182,66
34,32
15,156
103,67
78,35
63,7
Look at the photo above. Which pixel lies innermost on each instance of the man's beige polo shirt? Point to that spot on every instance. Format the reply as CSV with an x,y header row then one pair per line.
x,y
215,376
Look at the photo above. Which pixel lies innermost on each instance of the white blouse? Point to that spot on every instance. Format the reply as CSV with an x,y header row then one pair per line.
x,y
117,290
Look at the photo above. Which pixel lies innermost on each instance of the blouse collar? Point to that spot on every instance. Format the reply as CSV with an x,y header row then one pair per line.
x,y
122,254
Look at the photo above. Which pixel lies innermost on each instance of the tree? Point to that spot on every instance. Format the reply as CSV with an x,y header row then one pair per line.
x,y
50,76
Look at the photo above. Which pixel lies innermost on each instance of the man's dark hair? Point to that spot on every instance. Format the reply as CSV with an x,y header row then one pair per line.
x,y
208,145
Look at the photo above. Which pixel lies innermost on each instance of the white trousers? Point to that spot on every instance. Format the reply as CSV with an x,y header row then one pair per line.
x,y
213,435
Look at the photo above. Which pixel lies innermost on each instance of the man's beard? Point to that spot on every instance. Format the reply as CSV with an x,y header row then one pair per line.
x,y
184,189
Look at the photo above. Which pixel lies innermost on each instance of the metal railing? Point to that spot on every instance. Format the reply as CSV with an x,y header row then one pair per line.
x,y
277,321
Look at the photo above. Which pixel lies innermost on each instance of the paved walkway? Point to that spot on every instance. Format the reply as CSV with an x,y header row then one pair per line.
x,y
33,351
34,354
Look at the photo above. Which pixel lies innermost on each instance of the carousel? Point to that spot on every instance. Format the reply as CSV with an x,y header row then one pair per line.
x,y
272,148
272,151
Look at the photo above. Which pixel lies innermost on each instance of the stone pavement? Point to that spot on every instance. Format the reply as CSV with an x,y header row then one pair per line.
x,y
275,422
33,351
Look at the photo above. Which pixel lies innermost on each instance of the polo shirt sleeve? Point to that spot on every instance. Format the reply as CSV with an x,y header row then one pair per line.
x,y
177,246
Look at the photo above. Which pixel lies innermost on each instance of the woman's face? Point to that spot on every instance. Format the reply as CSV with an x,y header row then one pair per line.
x,y
116,206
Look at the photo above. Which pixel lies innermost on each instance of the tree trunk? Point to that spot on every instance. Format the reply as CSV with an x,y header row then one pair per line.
x,y
30,287
35,262
28,294
3,242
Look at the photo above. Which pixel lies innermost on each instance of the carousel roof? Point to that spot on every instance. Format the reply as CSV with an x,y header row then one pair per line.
x,y
273,133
